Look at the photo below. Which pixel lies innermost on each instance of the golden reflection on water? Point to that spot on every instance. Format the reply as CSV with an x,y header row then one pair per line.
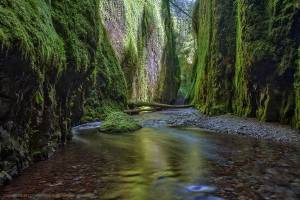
x,y
143,158
167,160
163,163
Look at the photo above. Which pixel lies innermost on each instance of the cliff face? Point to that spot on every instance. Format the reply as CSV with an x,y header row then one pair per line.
x,y
58,68
246,61
142,36
50,52
297,92
186,44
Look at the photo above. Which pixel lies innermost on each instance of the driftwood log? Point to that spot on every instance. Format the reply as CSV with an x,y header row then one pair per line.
x,y
155,106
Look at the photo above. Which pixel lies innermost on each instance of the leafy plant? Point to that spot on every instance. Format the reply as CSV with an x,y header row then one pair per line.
x,y
38,97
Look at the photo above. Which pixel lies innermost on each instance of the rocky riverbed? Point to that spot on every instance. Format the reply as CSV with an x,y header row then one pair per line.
x,y
229,124
270,169
248,160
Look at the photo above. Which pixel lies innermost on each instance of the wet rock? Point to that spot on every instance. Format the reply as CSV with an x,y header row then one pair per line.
x,y
5,177
205,196
13,171
201,188
82,190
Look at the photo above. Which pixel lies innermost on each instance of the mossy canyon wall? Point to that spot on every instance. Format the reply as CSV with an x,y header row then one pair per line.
x,y
141,33
65,62
247,61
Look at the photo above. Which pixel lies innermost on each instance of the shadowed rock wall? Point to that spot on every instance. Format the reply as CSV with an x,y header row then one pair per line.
x,y
49,53
58,68
246,61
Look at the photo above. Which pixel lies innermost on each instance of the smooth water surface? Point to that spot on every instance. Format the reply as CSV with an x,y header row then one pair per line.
x,y
161,162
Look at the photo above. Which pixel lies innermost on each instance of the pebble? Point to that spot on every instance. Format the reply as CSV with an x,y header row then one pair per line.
x,y
82,191
228,189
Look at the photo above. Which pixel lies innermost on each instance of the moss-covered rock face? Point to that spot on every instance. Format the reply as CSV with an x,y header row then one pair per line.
x,y
118,122
32,58
136,58
58,64
213,64
107,91
246,59
142,36
185,42
50,53
267,43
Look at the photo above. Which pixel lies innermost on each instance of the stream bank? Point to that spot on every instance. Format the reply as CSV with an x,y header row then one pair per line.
x,y
230,124
169,158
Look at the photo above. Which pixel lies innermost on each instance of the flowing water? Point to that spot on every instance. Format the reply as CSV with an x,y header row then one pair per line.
x,y
161,162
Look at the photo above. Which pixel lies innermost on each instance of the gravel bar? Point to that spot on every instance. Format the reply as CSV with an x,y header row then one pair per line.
x,y
231,124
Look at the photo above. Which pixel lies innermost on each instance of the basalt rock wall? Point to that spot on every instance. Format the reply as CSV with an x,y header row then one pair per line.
x,y
71,61
247,60
51,52
142,35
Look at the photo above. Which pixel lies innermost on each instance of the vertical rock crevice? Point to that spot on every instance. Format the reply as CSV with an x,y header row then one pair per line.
x,y
142,36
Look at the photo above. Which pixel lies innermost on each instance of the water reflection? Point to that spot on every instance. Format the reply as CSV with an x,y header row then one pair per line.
x,y
161,163
146,157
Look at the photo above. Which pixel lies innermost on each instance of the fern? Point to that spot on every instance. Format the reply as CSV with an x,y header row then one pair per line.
x,y
38,97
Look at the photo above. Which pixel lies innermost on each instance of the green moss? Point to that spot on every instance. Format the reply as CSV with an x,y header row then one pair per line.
x,y
130,65
241,103
142,35
28,26
99,110
169,78
110,77
258,66
118,122
246,58
196,16
108,92
66,52
210,87
296,119
78,28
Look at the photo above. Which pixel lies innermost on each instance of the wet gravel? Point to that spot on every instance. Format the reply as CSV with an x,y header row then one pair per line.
x,y
270,169
230,124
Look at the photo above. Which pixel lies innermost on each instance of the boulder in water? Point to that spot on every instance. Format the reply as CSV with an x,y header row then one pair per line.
x,y
118,122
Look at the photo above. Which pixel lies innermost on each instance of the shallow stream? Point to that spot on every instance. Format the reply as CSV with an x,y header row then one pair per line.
x,y
162,162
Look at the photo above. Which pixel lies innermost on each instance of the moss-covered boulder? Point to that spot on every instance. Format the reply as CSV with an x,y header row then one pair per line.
x,y
118,122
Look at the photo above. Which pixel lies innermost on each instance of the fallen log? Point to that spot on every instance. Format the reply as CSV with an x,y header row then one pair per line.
x,y
156,106
137,111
